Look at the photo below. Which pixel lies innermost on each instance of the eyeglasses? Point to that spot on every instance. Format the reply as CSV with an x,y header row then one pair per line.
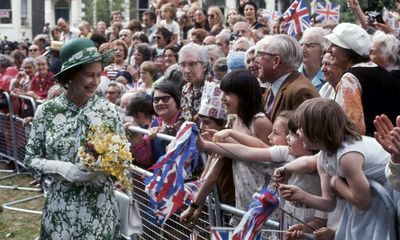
x,y
33,50
260,53
163,99
309,44
211,15
190,65
158,37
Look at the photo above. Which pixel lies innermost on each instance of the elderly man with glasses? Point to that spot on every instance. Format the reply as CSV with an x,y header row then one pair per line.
x,y
278,57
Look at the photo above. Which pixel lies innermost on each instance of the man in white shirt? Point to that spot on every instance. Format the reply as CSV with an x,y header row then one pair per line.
x,y
67,32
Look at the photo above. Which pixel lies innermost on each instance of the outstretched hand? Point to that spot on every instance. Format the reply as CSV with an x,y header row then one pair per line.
x,y
388,135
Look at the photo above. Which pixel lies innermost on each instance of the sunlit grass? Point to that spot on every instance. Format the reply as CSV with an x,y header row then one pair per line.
x,y
18,225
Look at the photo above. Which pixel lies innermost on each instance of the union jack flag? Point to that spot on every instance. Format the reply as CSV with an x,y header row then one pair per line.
x,y
327,11
297,18
270,15
166,188
261,207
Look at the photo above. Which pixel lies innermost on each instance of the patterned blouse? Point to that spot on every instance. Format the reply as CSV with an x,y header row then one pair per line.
x,y
86,210
190,102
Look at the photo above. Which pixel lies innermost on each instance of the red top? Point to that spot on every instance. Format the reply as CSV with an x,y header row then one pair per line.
x,y
40,87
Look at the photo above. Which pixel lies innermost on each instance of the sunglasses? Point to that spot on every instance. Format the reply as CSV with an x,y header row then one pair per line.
x,y
211,15
33,50
163,99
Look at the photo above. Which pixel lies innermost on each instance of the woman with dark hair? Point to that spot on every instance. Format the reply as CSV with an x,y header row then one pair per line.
x,y
365,90
242,96
250,13
166,102
200,19
170,56
79,204
142,53
120,53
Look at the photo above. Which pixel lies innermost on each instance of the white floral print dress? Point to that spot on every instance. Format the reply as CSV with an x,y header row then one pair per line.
x,y
86,210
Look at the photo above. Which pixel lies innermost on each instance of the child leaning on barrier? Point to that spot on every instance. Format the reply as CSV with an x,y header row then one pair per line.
x,y
351,167
218,169
292,149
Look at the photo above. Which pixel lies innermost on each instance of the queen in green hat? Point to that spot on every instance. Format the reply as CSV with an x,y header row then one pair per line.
x,y
79,204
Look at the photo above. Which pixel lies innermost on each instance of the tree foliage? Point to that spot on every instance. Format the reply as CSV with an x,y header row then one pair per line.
x,y
103,10
347,15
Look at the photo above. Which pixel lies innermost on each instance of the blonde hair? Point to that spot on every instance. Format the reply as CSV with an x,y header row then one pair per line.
x,y
219,18
148,66
170,8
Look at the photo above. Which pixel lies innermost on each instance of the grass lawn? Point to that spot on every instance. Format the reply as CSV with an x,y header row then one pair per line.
x,y
17,225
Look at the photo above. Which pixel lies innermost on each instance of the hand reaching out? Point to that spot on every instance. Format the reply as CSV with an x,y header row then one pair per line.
x,y
220,136
388,135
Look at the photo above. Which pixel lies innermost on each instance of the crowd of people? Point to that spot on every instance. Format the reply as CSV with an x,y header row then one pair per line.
x,y
318,113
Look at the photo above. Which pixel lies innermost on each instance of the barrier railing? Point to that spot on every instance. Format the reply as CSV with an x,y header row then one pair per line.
x,y
211,215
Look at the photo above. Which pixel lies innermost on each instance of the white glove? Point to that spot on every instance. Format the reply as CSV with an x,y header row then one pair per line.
x,y
67,170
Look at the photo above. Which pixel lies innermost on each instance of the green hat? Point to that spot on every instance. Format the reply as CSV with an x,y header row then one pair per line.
x,y
79,51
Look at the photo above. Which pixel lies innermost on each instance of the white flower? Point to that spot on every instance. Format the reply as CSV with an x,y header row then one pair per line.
x,y
59,119
116,139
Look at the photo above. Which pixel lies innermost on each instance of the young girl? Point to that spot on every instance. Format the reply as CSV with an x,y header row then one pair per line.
x,y
285,152
218,169
351,167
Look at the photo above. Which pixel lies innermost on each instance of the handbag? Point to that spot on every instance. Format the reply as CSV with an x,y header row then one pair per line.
x,y
130,220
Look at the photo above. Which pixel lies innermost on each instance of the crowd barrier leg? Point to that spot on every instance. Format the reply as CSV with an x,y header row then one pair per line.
x,y
13,139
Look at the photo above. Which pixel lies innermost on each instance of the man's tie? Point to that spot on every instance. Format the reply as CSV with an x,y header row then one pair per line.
x,y
270,102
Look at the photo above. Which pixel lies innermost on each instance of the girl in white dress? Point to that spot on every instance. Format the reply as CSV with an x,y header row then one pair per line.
x,y
351,167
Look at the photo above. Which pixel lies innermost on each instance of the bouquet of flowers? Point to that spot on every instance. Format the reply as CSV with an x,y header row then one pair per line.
x,y
104,150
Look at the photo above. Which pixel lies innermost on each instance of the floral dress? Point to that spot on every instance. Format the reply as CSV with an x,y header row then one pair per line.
x,y
86,210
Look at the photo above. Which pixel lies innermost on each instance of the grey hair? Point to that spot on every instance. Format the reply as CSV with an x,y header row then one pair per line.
x,y
118,86
225,36
40,59
318,32
28,60
390,45
244,40
287,47
196,50
214,49
251,50
5,61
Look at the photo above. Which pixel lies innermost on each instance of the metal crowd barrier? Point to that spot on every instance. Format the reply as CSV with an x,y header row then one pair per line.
x,y
210,217
14,135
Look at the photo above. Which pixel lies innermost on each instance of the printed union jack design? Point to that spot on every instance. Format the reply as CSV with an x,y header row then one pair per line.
x,y
327,11
297,18
270,15
166,188
264,203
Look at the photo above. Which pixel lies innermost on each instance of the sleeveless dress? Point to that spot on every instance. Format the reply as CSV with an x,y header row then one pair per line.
x,y
379,222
